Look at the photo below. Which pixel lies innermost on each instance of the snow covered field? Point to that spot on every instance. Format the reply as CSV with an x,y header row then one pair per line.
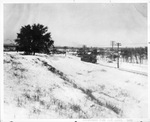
x,y
58,86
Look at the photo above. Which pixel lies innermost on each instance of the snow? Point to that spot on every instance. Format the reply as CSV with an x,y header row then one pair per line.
x,y
123,65
75,89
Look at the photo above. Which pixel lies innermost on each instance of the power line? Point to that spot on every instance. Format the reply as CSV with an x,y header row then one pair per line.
x,y
135,43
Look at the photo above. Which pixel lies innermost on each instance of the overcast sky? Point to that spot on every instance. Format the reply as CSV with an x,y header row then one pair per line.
x,y
77,24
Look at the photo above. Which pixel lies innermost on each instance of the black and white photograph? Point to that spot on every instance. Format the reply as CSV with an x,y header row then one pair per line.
x,y
75,60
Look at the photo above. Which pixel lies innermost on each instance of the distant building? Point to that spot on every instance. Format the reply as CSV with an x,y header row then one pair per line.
x,y
10,47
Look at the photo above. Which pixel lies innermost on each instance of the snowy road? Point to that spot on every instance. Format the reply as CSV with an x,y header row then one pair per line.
x,y
125,69
130,67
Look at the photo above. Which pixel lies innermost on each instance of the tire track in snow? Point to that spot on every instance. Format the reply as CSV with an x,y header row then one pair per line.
x,y
87,92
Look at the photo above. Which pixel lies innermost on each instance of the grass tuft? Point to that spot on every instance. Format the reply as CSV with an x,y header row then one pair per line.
x,y
75,108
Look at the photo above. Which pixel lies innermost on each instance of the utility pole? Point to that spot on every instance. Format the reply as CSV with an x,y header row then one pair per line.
x,y
112,44
118,44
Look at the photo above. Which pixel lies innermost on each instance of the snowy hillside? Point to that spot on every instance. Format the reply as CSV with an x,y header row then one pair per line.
x,y
59,86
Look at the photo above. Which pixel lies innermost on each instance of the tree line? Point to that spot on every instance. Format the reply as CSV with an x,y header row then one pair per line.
x,y
129,55
134,55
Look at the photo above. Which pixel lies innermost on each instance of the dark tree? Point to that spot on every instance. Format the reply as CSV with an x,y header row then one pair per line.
x,y
145,50
34,38
94,51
